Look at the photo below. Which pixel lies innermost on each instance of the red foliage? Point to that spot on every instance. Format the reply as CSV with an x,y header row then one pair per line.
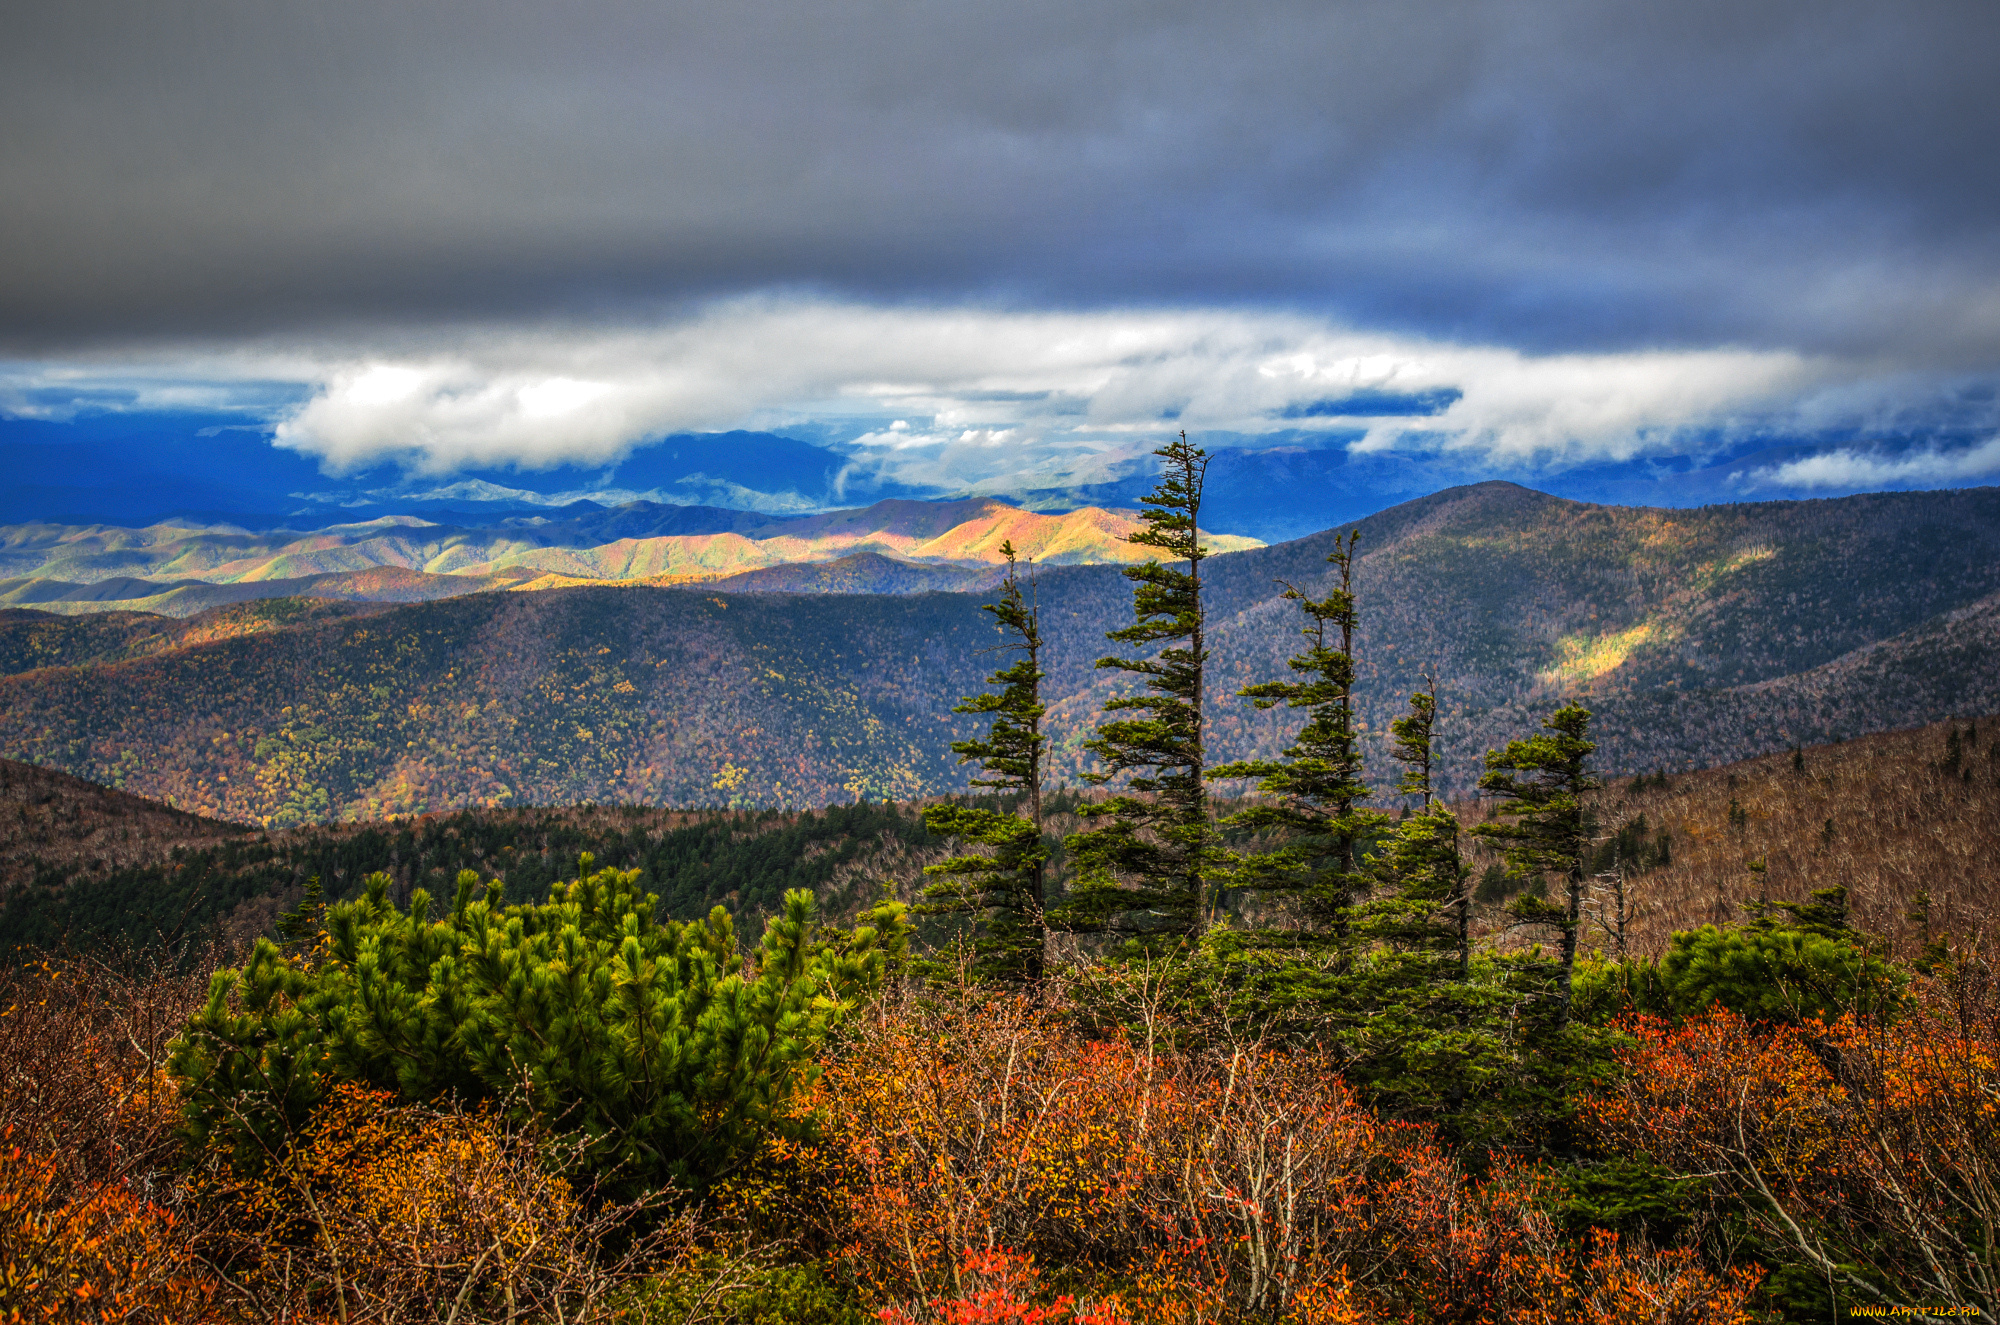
x,y
1183,1186
1864,1150
1000,1287
91,1254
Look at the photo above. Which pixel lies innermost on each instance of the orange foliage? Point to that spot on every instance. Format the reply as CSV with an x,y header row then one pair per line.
x,y
93,1225
1721,1083
84,1046
386,1212
96,1255
1866,1151
1178,1185
1491,1251
962,1125
948,1132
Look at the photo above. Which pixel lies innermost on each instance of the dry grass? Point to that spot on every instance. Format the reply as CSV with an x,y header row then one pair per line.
x,y
1902,826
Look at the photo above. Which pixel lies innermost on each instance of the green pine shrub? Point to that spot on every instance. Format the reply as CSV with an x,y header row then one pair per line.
x,y
656,1041
1810,964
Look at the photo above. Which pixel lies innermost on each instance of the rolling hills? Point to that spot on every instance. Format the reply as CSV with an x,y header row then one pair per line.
x,y
183,568
1699,637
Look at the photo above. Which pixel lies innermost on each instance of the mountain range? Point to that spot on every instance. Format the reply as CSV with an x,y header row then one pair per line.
x,y
180,568
1698,637
136,467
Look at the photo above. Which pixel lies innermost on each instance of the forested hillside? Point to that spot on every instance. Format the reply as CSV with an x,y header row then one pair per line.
x,y
1698,636
1907,821
30,640
56,829
861,572
639,695
87,866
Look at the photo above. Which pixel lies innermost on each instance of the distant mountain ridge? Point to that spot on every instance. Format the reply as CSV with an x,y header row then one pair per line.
x,y
164,568
1698,636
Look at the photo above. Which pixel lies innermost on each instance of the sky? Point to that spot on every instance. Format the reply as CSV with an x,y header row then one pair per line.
x,y
1672,253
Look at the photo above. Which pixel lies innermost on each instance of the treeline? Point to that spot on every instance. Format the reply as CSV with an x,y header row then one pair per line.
x,y
746,860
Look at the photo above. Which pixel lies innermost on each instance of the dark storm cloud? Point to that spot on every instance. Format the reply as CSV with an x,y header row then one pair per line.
x,y
1545,175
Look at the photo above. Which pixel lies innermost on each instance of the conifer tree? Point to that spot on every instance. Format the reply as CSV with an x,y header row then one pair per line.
x,y
1148,868
1317,788
1541,782
1426,905
1002,889
299,927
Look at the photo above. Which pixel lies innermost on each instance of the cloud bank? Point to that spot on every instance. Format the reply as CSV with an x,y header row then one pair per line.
x,y
1852,470
960,398
1557,176
1494,235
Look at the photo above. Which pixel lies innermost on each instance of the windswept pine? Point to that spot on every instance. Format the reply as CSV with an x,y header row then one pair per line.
x,y
1149,870
1003,890
1315,871
1424,906
1544,782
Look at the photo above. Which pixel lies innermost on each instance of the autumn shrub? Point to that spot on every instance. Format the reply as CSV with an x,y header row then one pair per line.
x,y
1860,1155
946,1125
961,1122
387,1212
83,1044
73,1251
979,1156
1482,1250
95,1222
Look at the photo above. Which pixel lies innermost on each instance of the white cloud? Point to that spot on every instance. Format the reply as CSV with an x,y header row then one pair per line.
x,y
976,398
1568,409
1848,468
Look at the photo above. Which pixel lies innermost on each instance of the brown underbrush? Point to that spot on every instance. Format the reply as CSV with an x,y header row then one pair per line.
x,y
1912,833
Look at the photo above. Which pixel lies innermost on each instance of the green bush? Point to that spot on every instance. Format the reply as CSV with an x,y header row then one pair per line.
x,y
771,1295
1787,975
655,1041
1774,974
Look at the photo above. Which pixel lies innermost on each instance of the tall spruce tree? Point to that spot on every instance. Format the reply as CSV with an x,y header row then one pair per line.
x,y
1425,1029
1003,889
1541,783
1425,907
1147,869
1315,870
